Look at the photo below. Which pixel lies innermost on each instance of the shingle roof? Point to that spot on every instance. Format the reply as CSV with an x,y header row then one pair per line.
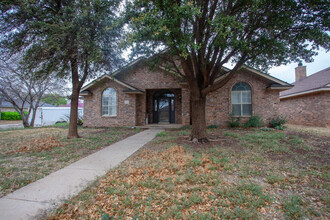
x,y
311,83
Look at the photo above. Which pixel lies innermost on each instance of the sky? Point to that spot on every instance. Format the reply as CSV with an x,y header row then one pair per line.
x,y
287,72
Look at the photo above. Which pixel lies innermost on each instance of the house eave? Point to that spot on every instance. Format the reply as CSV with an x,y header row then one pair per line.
x,y
128,91
279,87
305,93
85,93
269,77
281,83
113,79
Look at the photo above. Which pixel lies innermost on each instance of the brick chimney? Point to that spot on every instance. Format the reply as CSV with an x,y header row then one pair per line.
x,y
300,72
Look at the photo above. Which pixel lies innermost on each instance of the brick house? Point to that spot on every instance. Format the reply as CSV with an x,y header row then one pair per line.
x,y
138,95
308,102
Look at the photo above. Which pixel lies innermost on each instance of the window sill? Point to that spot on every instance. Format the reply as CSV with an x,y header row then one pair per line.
x,y
109,116
242,116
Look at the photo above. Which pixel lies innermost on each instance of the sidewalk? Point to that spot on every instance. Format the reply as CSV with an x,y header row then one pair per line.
x,y
10,126
49,192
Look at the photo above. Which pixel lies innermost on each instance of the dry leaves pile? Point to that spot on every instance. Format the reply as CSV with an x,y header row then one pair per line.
x,y
39,144
154,188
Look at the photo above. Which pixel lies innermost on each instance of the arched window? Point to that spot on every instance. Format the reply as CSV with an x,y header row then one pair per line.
x,y
109,102
241,99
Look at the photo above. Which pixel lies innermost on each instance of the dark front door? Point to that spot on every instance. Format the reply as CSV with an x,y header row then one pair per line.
x,y
164,107
163,110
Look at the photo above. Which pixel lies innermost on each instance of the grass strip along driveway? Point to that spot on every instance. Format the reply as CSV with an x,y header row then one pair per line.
x,y
247,174
27,155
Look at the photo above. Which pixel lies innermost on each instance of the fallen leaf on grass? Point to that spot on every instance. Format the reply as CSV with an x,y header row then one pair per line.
x,y
39,144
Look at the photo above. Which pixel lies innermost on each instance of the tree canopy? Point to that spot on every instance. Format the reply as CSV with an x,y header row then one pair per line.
x,y
74,39
204,35
23,88
54,99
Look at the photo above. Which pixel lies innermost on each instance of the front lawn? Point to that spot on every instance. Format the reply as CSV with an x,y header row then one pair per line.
x,y
244,174
27,155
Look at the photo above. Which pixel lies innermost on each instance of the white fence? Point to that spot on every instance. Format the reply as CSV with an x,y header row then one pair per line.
x,y
50,115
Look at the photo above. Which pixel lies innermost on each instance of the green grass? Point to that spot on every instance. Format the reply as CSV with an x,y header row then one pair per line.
x,y
272,179
61,125
295,208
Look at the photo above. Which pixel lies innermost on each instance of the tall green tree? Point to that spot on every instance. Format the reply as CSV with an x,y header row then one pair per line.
x,y
204,35
54,99
74,39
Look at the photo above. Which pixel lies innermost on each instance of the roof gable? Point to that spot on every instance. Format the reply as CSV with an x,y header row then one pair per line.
x,y
274,82
130,88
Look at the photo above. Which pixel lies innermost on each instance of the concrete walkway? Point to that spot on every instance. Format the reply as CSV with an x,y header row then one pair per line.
x,y
10,126
49,192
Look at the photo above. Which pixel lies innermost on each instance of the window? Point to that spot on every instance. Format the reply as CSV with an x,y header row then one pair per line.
x,y
241,99
109,102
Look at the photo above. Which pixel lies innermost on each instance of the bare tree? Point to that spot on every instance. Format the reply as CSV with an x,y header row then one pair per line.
x,y
22,88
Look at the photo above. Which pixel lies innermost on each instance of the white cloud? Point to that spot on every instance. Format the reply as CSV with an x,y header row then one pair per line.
x,y
287,73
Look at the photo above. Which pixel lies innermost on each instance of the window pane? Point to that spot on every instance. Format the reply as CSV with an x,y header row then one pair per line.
x,y
246,97
236,109
112,100
113,110
105,101
105,110
241,86
109,91
235,97
247,110
155,105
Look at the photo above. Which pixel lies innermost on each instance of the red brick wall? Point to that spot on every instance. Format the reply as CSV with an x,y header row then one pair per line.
x,y
264,102
218,107
310,110
144,78
93,112
140,109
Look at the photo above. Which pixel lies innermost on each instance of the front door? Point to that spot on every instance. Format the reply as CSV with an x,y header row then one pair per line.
x,y
164,107
163,110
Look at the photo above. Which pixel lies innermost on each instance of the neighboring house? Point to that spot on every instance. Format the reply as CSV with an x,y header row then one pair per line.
x,y
8,107
50,115
308,102
138,95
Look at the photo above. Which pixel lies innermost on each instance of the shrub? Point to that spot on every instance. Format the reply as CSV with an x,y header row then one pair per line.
x,y
80,120
277,122
10,116
254,121
61,124
234,122
213,126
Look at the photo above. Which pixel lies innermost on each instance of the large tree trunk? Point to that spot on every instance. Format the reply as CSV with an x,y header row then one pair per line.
x,y
34,112
25,119
73,127
0,107
198,132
